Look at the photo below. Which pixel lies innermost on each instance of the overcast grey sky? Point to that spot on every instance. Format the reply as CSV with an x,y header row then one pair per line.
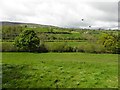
x,y
64,13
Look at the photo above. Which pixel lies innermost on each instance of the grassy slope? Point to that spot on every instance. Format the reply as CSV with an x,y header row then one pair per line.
x,y
59,70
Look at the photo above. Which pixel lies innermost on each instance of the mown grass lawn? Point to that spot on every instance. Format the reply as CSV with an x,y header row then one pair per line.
x,y
60,70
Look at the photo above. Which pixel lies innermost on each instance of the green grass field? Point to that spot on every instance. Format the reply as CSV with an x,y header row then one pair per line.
x,y
60,70
72,44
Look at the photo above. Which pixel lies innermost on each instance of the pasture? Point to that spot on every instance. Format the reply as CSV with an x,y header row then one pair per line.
x,y
59,70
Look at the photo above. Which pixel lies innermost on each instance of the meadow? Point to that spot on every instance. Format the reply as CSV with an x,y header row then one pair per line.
x,y
59,70
61,58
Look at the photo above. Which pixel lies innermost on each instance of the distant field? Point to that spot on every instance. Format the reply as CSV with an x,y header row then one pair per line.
x,y
72,44
62,70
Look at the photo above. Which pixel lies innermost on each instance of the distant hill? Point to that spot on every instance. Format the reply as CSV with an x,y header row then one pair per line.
x,y
40,25
19,23
10,23
30,24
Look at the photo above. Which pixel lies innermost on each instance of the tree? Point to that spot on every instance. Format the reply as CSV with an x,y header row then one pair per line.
x,y
109,42
27,41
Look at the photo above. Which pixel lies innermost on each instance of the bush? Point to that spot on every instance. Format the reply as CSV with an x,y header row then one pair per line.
x,y
99,49
58,47
67,49
79,48
109,41
7,47
42,48
27,41
91,48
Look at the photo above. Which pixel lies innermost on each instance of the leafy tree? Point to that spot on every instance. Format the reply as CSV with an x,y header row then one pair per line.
x,y
109,42
27,41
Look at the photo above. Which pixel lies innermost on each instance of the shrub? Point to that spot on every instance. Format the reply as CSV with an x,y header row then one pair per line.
x,y
80,48
67,49
58,47
91,48
99,49
42,48
8,47
27,41
109,41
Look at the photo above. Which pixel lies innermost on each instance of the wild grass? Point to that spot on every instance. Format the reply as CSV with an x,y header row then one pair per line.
x,y
60,70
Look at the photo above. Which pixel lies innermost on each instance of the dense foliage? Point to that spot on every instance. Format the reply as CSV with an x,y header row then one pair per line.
x,y
27,41
110,42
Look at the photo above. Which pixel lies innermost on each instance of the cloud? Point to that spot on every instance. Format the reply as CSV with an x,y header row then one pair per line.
x,y
64,13
109,9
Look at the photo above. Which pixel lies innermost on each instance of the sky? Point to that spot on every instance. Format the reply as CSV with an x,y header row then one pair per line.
x,y
62,13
